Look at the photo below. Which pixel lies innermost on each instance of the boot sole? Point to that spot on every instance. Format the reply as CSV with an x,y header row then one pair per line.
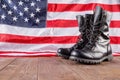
x,y
63,56
87,61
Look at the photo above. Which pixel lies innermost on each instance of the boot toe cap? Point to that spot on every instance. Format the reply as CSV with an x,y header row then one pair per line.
x,y
60,50
64,51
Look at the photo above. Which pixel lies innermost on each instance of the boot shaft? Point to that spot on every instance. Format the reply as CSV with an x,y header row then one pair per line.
x,y
97,14
84,25
101,22
84,21
101,18
99,35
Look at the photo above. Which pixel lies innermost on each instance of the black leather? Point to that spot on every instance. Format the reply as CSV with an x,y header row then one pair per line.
x,y
98,48
82,21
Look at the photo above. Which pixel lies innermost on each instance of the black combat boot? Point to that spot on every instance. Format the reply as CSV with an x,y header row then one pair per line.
x,y
82,22
98,48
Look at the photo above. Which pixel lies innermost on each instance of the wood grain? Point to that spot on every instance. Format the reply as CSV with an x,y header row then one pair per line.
x,y
56,68
5,62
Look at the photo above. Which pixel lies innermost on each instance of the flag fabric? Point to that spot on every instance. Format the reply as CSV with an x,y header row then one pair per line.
x,y
40,27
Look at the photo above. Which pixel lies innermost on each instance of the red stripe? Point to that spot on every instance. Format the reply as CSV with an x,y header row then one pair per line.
x,y
39,54
14,52
61,23
81,7
73,23
43,40
36,40
115,40
116,54
115,24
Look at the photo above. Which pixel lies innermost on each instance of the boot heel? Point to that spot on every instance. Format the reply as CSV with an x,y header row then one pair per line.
x,y
110,57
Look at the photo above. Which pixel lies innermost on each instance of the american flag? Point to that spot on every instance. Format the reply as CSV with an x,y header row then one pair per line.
x,y
40,27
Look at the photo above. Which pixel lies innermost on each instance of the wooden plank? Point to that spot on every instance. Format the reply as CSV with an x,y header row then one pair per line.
x,y
104,71
20,69
27,70
54,69
8,71
5,62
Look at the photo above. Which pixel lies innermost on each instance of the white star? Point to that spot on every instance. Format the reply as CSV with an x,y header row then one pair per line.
x,y
26,20
32,15
39,0
3,16
32,4
20,3
26,9
10,12
38,9
26,0
15,18
4,6
21,14
9,1
37,20
15,8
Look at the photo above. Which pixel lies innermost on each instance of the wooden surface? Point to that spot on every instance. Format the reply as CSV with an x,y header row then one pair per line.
x,y
56,68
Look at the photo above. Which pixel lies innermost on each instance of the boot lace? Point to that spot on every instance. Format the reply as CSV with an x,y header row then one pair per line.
x,y
84,31
93,33
80,39
93,37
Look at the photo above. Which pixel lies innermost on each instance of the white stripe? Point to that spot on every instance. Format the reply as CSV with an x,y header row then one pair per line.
x,y
84,1
65,16
115,48
31,47
5,29
114,32
23,31
72,15
41,47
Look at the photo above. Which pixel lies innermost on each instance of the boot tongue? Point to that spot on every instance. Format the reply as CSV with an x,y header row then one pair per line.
x,y
97,14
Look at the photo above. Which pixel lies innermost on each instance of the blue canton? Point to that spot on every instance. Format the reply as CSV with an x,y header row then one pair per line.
x,y
23,13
